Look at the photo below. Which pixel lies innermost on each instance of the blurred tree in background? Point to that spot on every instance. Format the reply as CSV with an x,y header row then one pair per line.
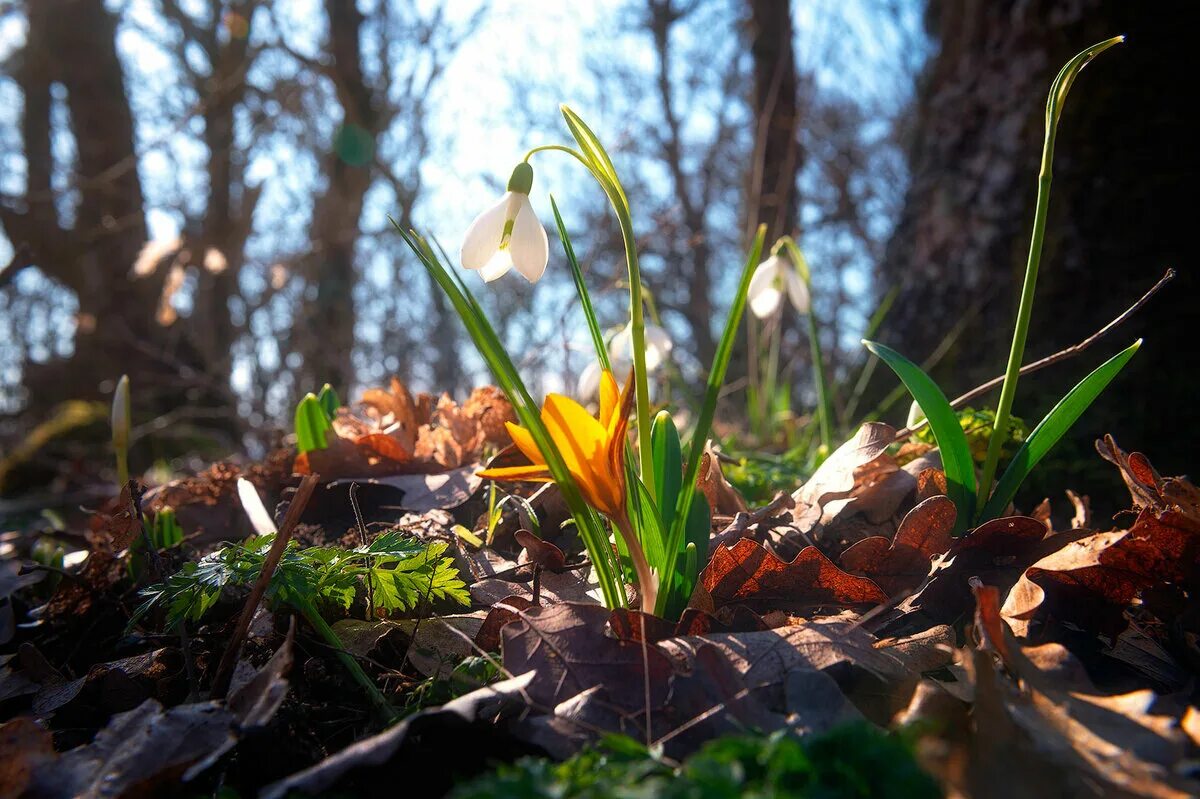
x,y
196,192
1120,214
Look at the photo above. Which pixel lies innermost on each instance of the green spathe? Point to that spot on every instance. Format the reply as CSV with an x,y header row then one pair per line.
x,y
521,181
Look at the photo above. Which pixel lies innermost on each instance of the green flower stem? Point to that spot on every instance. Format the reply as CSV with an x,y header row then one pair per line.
x,y
824,400
378,700
616,198
1058,94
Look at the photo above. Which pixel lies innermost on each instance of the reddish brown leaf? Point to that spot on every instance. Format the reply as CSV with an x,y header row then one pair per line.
x,y
541,553
749,574
904,561
1090,581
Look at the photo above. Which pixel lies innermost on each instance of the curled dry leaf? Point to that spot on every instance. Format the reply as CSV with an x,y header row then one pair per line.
x,y
566,645
997,551
835,479
723,498
1090,581
749,574
1080,742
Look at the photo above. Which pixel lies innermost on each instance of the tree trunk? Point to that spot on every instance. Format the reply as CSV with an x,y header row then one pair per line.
x,y
328,342
1120,210
772,196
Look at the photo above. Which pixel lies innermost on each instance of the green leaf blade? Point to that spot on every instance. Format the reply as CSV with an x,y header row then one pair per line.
x,y
311,424
943,421
1054,426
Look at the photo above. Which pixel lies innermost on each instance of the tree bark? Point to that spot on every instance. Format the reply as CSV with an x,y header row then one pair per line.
x,y
773,198
1120,209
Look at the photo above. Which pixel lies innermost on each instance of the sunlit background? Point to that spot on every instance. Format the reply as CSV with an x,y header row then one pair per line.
x,y
250,257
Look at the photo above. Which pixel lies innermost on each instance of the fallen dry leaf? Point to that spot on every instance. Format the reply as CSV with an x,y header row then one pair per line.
x,y
902,563
1090,581
402,434
749,574
835,477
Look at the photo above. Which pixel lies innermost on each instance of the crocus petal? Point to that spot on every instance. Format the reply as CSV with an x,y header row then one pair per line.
x,y
589,381
797,290
578,438
529,246
764,295
535,473
524,441
610,395
483,236
260,520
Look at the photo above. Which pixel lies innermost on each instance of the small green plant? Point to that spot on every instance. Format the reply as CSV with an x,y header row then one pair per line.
x,y
314,418
122,423
978,425
401,572
163,533
975,500
472,672
851,761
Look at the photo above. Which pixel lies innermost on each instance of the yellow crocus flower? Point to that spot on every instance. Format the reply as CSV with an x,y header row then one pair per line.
x,y
593,449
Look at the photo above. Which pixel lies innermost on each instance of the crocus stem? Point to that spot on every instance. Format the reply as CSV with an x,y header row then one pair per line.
x,y
646,586
378,700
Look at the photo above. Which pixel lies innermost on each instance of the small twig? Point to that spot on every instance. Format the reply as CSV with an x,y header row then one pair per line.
x,y
224,673
362,537
1050,360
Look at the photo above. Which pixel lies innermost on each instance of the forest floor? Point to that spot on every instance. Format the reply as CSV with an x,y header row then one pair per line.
x,y
406,632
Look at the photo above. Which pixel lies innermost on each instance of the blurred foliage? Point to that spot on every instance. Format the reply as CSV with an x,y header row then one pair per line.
x,y
852,761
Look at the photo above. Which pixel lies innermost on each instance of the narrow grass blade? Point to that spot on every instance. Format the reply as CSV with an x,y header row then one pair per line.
x,y
1057,422
585,299
943,421
716,378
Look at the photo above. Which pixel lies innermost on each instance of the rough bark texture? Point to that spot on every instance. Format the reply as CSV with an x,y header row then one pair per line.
x,y
772,197
1120,213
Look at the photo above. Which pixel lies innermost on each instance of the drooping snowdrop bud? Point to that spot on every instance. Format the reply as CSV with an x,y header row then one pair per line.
x,y
508,234
773,278
915,416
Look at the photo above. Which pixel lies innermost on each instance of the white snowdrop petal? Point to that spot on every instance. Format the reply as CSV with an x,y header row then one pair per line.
x,y
765,302
589,381
529,246
260,520
497,266
797,291
763,294
483,236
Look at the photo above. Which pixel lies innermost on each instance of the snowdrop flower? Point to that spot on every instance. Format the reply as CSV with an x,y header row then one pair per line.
x,y
508,234
771,280
620,352
658,346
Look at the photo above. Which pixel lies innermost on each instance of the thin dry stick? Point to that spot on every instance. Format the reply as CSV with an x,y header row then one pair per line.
x,y
362,539
220,683
1050,360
